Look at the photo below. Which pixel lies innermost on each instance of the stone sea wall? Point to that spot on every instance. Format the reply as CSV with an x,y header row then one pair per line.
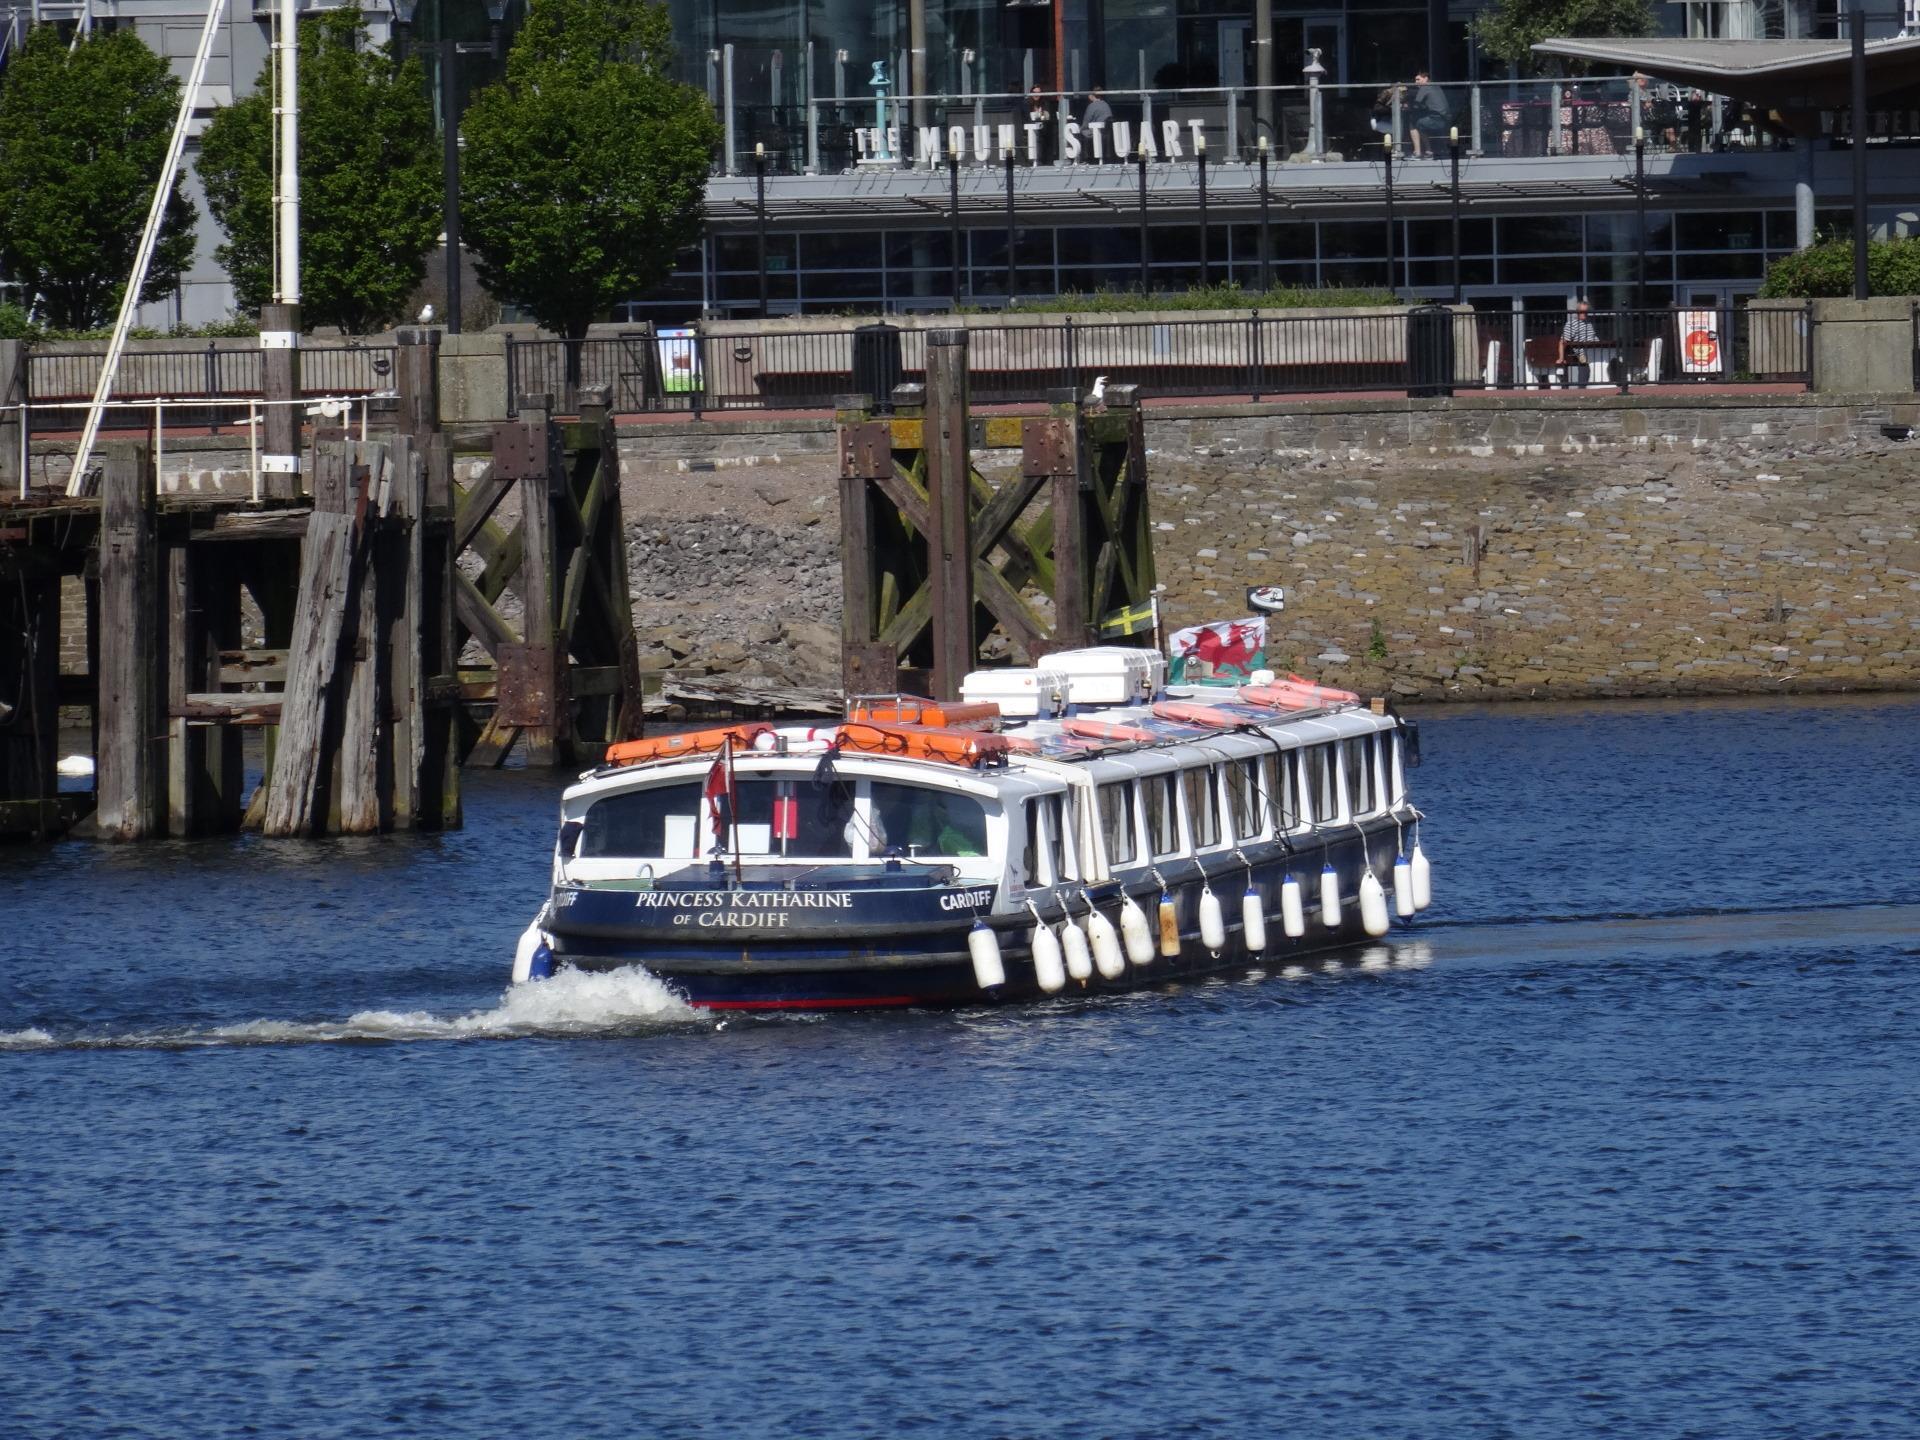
x,y
1736,568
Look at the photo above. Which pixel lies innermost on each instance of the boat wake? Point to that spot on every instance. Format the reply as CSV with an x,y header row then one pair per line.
x,y
572,1003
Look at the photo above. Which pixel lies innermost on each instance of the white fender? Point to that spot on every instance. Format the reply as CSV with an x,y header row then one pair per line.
x,y
1135,932
1047,969
1293,910
1330,897
1169,927
1373,904
984,946
1073,940
530,941
1403,905
1422,878
1213,924
1106,947
1253,920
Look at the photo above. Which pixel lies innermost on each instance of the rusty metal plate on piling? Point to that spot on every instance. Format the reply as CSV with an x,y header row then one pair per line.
x,y
520,450
866,450
871,668
1046,447
530,687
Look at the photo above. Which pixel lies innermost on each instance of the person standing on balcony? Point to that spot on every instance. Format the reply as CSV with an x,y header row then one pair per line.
x,y
1429,116
1038,114
1098,113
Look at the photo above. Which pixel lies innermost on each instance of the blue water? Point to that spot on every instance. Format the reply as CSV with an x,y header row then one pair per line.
x,y
276,1158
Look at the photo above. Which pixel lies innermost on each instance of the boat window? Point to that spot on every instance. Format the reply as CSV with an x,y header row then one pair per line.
x,y
1317,777
1357,756
1163,817
1047,861
1116,822
1203,806
1246,799
1062,835
919,820
674,822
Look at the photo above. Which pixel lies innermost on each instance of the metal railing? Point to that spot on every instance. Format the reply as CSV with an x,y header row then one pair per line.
x,y
215,370
1427,350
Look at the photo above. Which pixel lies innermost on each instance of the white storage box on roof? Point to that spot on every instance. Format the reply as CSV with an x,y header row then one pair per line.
x,y
1109,674
1021,694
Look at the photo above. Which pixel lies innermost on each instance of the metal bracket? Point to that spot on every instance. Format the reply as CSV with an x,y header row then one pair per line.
x,y
1046,447
530,689
866,450
522,450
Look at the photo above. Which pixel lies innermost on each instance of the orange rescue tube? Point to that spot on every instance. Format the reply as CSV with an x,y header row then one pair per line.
x,y
924,742
1277,697
1325,694
1186,712
687,742
1113,732
938,715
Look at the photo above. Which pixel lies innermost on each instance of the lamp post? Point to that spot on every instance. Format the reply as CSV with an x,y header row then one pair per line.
x,y
1639,318
760,216
1386,149
1857,32
403,11
450,163
1266,230
1145,254
1453,138
953,219
1206,266
1013,234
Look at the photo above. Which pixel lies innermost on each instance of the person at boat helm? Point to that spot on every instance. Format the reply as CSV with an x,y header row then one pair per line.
x,y
932,829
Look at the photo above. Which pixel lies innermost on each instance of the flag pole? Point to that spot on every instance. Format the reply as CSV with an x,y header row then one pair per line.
x,y
733,811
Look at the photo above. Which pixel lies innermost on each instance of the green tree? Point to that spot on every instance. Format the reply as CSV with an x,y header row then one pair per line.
x,y
1826,269
82,140
585,171
369,180
1511,28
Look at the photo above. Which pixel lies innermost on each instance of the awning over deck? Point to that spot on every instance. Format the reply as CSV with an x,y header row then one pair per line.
x,y
1784,75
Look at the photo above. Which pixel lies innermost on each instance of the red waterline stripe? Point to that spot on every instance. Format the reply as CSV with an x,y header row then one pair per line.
x,y
804,1004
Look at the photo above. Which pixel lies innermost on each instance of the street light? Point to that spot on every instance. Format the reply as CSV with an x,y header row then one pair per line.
x,y
760,216
1453,137
1386,148
1206,267
1266,230
1145,254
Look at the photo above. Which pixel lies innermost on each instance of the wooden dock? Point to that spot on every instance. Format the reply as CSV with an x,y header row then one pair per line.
x,y
334,622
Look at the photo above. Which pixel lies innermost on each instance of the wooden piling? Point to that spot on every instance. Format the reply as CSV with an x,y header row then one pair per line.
x,y
13,419
362,737
280,386
130,755
29,695
949,502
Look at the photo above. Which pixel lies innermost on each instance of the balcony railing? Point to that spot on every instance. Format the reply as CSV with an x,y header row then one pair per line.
x,y
1302,124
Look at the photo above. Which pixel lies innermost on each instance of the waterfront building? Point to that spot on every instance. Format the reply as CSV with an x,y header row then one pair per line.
x,y
884,154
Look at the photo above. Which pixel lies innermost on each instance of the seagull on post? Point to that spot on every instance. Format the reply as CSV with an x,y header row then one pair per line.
x,y
1097,397
426,313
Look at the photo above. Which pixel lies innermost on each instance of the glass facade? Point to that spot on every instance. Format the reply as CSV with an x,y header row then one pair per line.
x,y
1517,262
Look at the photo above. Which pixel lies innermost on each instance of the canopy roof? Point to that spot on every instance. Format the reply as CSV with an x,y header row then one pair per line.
x,y
1778,74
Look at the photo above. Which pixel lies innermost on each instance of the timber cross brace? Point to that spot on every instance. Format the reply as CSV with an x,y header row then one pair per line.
x,y
935,559
569,670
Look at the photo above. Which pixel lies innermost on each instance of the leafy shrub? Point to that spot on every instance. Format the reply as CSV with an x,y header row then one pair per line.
x,y
1826,269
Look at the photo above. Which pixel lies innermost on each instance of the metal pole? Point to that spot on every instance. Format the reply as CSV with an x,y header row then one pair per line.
x,y
1386,146
760,216
1145,284
1453,137
450,162
1637,323
726,100
953,219
1206,265
1857,32
1013,235
1266,228
289,152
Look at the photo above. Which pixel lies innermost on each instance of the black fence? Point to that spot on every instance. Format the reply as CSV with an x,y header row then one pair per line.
x,y
214,372
1428,350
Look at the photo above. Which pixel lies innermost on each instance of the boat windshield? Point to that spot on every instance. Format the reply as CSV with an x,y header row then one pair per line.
x,y
675,822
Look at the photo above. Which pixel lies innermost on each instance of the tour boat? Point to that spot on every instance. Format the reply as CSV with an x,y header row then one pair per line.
x,y
1082,828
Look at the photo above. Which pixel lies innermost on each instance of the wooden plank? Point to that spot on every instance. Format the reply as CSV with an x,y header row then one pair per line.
x,y
128,755
950,497
476,506
481,620
1009,609
417,377
537,596
363,720
859,621
628,717
404,605
309,727
186,749
905,492
260,525
280,382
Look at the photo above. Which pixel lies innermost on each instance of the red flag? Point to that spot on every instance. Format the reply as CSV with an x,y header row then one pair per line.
x,y
786,813
719,796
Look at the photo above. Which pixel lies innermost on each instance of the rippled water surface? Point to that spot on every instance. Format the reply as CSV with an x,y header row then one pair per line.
x,y
1622,1139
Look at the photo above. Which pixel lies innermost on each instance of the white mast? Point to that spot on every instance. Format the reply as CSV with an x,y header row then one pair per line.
x,y
137,281
288,215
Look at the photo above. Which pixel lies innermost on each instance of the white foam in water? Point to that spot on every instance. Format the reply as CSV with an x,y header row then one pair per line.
x,y
574,1002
